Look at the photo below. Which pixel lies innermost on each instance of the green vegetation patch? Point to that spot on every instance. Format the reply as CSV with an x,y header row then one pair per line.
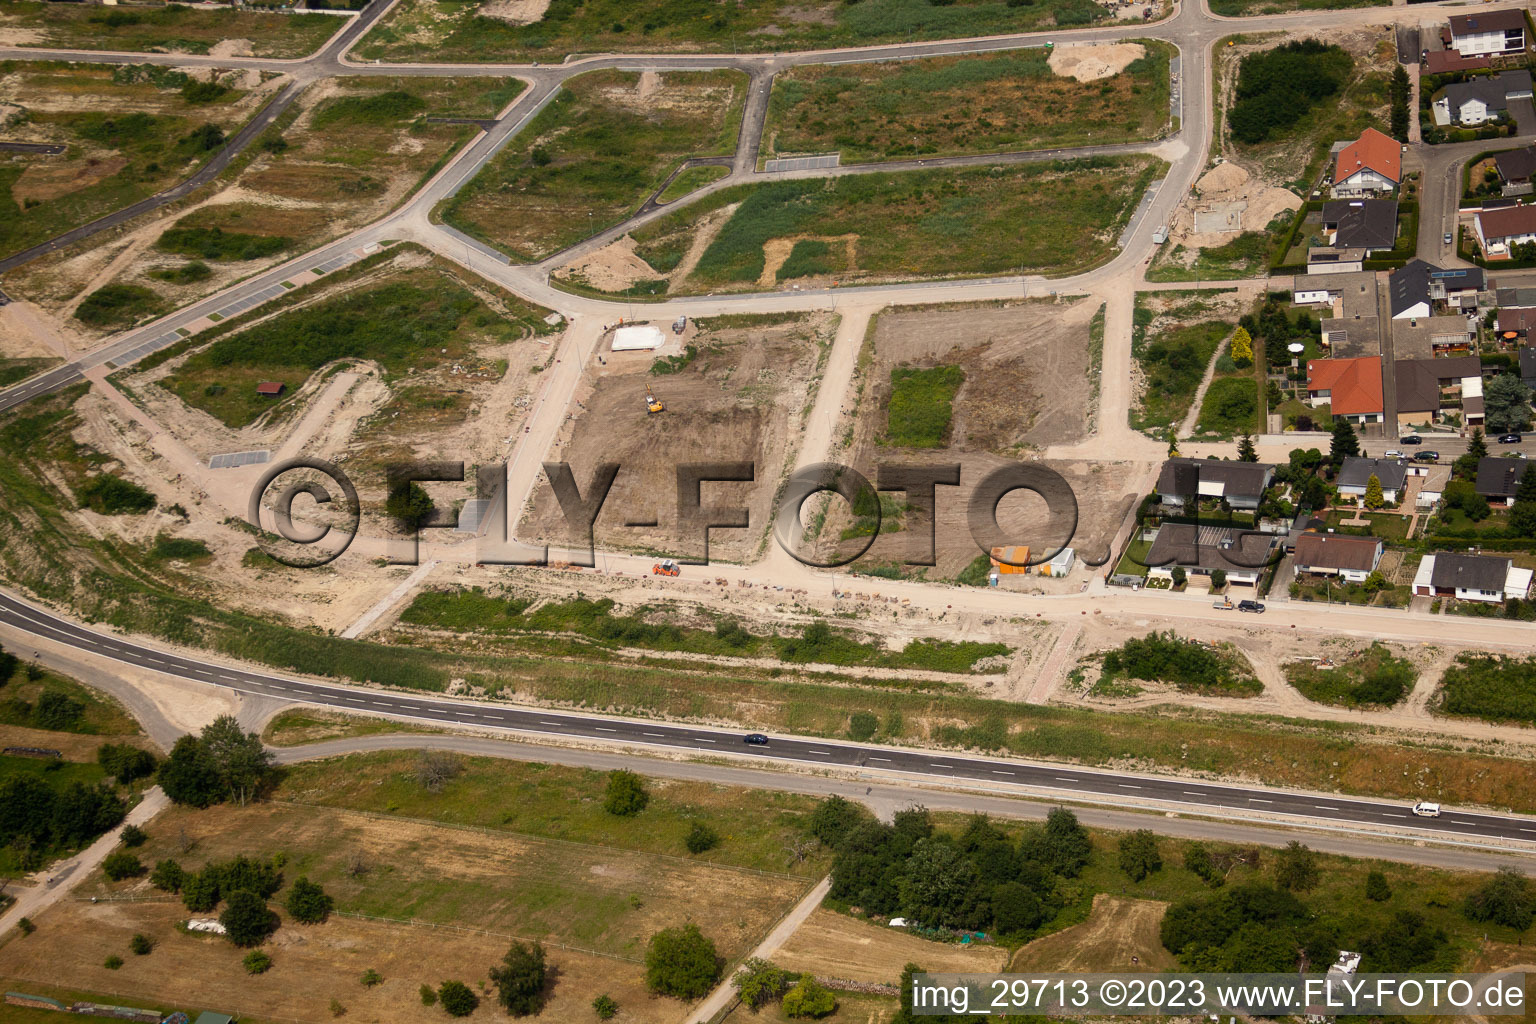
x,y
39,699
921,406
218,244
1374,677
691,180
119,305
171,27
1230,408
1493,687
954,105
1252,8
112,495
1187,664
605,143
1276,88
809,258
1173,362
13,371
381,108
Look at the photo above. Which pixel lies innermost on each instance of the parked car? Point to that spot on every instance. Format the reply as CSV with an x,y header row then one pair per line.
x,y
1392,453
1410,439
1426,456
1510,439
1426,809
756,739
1447,238
1250,606
1225,604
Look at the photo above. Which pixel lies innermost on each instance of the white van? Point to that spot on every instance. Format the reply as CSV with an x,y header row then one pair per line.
x,y
1425,809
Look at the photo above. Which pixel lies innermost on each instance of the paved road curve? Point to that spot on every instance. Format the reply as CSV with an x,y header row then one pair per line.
x,y
1078,783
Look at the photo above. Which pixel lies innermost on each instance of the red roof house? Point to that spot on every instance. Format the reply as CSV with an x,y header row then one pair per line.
x,y
1372,163
1351,387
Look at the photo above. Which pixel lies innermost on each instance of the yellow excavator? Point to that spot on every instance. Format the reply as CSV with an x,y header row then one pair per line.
x,y
652,403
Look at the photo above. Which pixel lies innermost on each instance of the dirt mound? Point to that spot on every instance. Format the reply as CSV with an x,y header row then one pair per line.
x,y
1224,177
612,268
1091,63
515,12
230,48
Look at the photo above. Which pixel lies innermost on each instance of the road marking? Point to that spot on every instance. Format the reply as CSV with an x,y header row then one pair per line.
x,y
996,772
656,734
701,739
1191,792
823,753
1455,822
542,722
932,765
603,728
499,717
1259,800
1324,807
380,704
355,700
880,759
1528,830
230,678
465,714
1397,815
1127,785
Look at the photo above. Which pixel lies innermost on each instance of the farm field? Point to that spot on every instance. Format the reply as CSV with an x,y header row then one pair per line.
x,y
944,106
475,30
350,150
1054,217
601,147
165,28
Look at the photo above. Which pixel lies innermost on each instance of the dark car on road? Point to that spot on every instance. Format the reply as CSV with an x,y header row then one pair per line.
x,y
1410,439
1510,439
757,739
1426,456
1250,606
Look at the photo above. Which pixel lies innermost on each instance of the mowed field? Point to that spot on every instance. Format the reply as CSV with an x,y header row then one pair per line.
x,y
1053,216
1018,381
601,147
497,30
167,28
739,398
951,105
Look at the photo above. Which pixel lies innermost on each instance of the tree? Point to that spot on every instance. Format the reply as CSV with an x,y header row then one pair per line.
x,y
189,776
125,762
1506,404
626,794
1400,92
141,944
371,978
1178,575
1345,443
1067,846
7,666
1376,888
200,892
938,883
167,876
133,836
701,838
435,769
82,813
121,865
759,982
832,820
1374,499
1296,867
1504,899
256,962
809,998
246,919
520,979
1218,578
1015,909
457,998
308,903
1462,495
1241,351
1522,516
681,962
1477,451
410,505
1246,450
1173,444
243,764
605,1007
1197,859
1139,855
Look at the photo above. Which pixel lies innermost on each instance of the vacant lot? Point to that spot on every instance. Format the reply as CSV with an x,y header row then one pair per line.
x,y
131,131
946,105
499,31
605,143
1494,687
1056,216
1119,935
1374,676
833,945
1176,335
1253,8
981,385
738,393
164,29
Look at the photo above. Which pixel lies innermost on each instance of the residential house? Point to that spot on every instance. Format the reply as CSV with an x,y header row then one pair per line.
x,y
1439,62
1368,224
1408,290
1481,99
1486,33
1457,287
1500,230
1356,472
1471,578
1351,388
1426,388
1516,313
1371,164
1200,550
1498,478
1323,259
1239,484
1515,167
1432,490
1351,559
1432,336
1528,367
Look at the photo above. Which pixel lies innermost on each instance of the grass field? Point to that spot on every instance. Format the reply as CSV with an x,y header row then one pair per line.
x,y
605,143
298,726
1492,687
1057,217
1373,677
456,31
131,131
691,180
921,406
168,28
951,105
1172,360
100,715
1231,406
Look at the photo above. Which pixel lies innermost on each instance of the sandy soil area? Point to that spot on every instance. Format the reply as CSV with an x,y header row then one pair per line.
x,y
1092,62
515,12
832,945
1225,186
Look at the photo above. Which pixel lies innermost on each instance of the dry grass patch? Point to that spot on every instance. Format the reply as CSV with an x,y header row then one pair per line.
x,y
833,945
1119,935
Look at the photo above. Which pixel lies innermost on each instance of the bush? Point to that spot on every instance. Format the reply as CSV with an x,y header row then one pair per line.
x,y
626,794
1505,899
140,944
57,711
759,982
605,1007
133,836
113,962
121,865
1296,867
681,962
26,926
428,995
308,903
809,998
1376,888
246,919
1139,855
371,978
701,838
521,979
862,725
256,962
167,876
1165,657
117,305
218,244
126,763
199,892
457,998
111,495
1276,88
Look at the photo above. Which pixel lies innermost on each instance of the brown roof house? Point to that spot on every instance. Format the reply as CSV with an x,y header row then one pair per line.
x,y
270,388
1200,550
1351,559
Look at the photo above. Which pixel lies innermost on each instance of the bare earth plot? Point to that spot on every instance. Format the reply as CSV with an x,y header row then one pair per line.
x,y
1116,930
833,945
1024,385
165,29
606,142
1054,217
352,150
741,397
423,30
987,104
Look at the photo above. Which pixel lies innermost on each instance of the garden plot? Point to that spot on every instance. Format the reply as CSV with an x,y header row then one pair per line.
x,y
984,386
738,391
352,150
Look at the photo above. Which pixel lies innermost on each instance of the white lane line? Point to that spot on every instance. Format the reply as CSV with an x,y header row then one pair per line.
x,y
87,640
542,722
1063,778
605,729
230,678
823,753
1455,822
1127,785
1528,830
655,734
157,661
1400,816
1259,800
933,765
880,759
501,717
354,700
701,739
1191,792
996,772
1324,807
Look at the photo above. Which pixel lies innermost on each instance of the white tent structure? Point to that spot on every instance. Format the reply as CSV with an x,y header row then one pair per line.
x,y
635,339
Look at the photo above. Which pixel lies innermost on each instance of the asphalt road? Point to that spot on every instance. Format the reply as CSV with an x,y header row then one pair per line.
x,y
1063,780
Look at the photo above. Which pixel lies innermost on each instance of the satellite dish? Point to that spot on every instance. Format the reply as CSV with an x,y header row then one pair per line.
x,y
1296,348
